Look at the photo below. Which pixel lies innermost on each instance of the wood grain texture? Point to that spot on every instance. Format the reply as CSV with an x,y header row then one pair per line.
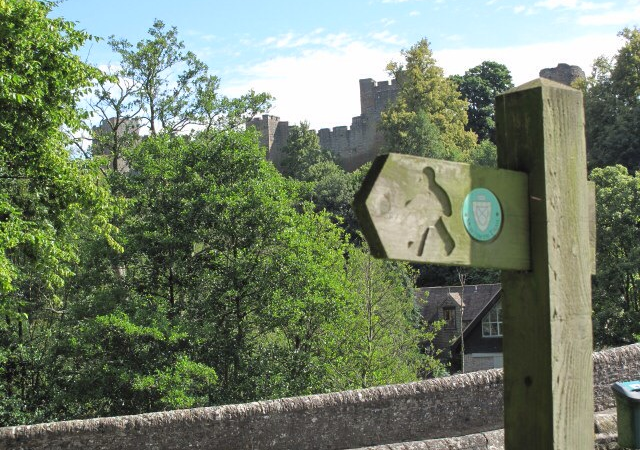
x,y
410,208
547,311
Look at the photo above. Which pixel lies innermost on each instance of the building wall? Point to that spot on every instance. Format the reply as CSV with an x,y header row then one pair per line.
x,y
452,406
274,134
354,145
476,343
111,131
474,362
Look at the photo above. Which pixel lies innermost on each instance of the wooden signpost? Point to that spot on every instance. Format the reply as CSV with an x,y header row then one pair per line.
x,y
413,209
532,218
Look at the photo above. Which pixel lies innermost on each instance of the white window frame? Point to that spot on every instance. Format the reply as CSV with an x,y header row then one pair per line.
x,y
492,322
450,323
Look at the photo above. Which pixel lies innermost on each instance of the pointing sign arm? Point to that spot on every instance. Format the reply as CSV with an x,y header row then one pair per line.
x,y
411,209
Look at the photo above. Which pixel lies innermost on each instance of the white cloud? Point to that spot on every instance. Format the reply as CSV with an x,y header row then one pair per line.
x,y
316,37
525,62
414,13
621,17
388,38
320,85
454,38
574,5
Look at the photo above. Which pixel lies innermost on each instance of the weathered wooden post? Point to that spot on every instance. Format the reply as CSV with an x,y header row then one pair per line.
x,y
548,371
532,218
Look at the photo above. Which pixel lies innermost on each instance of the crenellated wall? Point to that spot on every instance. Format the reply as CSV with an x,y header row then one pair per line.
x,y
274,134
443,407
354,145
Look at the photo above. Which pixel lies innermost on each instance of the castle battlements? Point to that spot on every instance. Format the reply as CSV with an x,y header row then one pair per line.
x,y
354,145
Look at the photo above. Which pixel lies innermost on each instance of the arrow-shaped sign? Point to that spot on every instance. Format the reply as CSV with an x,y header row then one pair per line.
x,y
425,210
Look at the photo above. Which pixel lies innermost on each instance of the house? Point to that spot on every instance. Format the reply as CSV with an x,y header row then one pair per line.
x,y
476,310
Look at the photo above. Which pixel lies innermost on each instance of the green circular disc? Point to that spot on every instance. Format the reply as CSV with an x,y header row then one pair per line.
x,y
482,215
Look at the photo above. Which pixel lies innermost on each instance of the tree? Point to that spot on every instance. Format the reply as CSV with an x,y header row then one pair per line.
x,y
302,151
428,117
616,289
479,86
484,154
226,272
48,201
612,107
386,340
333,191
168,88
330,187
228,284
626,74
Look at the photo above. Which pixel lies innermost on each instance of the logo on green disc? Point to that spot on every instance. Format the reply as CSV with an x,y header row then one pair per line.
x,y
482,215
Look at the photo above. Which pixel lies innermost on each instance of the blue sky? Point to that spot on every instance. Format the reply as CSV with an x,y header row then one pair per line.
x,y
310,55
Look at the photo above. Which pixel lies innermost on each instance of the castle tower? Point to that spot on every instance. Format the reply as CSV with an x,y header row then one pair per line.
x,y
274,134
113,134
354,145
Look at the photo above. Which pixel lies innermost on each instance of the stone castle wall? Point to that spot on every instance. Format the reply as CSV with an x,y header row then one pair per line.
x,y
354,145
453,406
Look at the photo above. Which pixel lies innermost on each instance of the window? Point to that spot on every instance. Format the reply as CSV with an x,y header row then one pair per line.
x,y
449,316
492,322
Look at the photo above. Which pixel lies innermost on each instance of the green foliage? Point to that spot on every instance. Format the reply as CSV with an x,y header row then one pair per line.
x,y
626,74
381,342
428,117
238,283
479,86
303,151
179,384
330,187
121,363
163,87
48,201
333,191
484,154
612,107
42,188
616,288
227,285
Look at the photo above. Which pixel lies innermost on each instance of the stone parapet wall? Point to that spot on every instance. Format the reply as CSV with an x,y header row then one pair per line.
x,y
459,405
610,366
490,440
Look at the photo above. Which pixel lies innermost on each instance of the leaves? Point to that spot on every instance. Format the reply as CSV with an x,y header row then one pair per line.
x,y
428,117
616,293
612,107
107,309
479,86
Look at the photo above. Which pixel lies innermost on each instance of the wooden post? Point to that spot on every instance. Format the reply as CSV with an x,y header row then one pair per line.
x,y
548,373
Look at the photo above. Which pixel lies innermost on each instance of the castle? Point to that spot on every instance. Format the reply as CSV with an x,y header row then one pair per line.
x,y
354,145
461,411
361,142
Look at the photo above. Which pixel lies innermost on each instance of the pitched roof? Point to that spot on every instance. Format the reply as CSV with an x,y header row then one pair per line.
x,y
477,320
475,296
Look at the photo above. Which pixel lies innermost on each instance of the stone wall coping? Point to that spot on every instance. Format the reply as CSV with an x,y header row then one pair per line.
x,y
457,405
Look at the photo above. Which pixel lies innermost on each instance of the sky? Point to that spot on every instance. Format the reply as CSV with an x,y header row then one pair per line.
x,y
310,54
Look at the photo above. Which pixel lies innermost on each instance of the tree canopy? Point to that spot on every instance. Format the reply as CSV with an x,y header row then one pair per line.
x,y
479,86
228,282
612,107
49,202
616,288
428,117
